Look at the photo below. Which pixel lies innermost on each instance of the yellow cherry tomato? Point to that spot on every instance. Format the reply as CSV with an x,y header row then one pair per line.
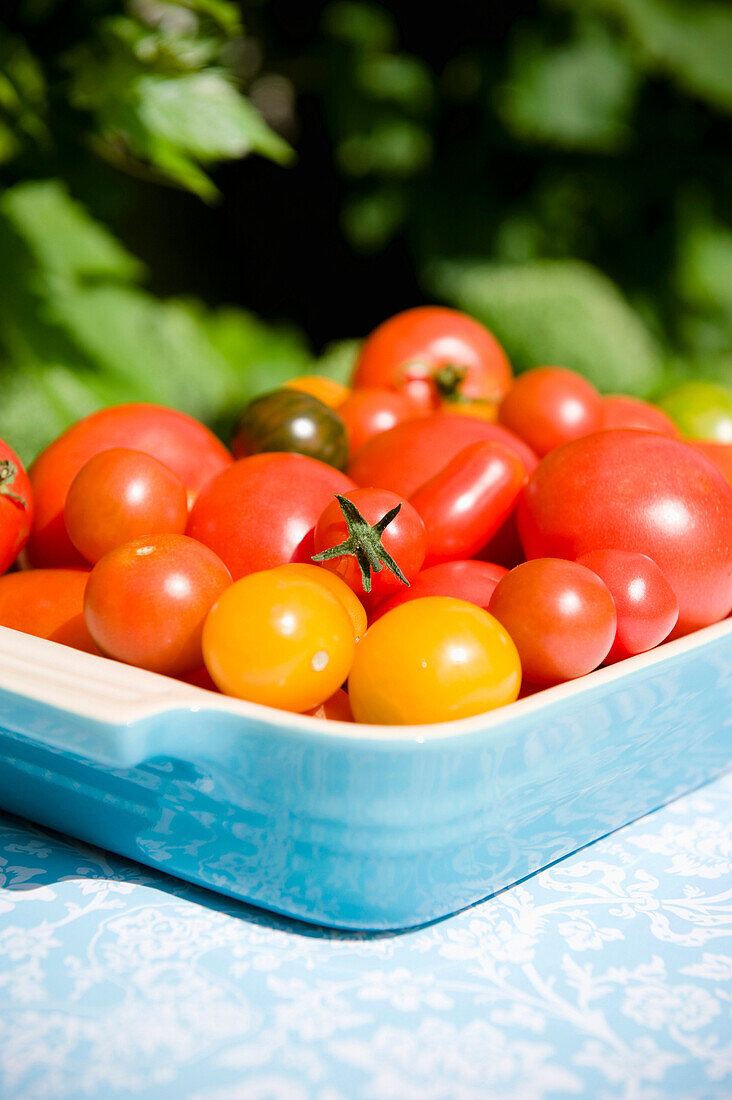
x,y
334,584
280,640
481,410
327,390
432,660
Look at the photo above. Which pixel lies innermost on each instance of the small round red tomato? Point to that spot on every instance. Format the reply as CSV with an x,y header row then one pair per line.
x,y
645,602
454,351
406,456
619,411
549,406
718,453
16,506
372,539
279,639
48,603
472,581
642,492
120,494
432,660
335,709
181,443
560,615
367,412
146,601
261,511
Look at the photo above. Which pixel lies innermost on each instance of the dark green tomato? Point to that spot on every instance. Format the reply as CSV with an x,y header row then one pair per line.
x,y
290,420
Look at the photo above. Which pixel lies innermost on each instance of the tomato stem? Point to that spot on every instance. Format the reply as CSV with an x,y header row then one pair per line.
x,y
364,543
448,380
8,474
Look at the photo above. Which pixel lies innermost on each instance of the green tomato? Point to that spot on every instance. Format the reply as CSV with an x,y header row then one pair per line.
x,y
700,410
290,420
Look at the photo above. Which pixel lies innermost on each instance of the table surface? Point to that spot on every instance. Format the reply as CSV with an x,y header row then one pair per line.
x,y
607,975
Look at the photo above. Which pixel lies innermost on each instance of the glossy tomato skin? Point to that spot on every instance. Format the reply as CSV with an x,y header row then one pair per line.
x,y
472,581
406,456
146,602
621,411
434,337
48,603
16,506
642,492
335,709
336,586
290,420
432,660
549,406
404,539
181,443
279,639
560,615
261,511
119,495
645,603
700,409
327,390
719,453
368,412
468,501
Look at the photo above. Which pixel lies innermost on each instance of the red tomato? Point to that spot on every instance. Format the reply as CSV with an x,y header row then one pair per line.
x,y
48,603
260,512
117,496
453,350
147,600
619,411
405,457
16,506
368,412
472,581
336,709
560,615
469,500
645,603
549,406
719,453
643,492
397,548
181,443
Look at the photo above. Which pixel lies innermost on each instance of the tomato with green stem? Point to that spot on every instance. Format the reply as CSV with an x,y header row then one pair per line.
x,y
16,506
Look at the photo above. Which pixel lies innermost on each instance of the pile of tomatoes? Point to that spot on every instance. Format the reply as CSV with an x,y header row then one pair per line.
x,y
422,546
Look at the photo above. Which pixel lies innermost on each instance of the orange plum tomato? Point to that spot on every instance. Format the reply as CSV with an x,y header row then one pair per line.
x,y
261,511
368,412
433,660
472,581
279,639
181,443
119,495
48,603
16,506
549,406
146,601
334,584
560,615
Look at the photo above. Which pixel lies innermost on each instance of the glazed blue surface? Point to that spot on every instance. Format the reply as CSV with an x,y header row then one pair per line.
x,y
372,834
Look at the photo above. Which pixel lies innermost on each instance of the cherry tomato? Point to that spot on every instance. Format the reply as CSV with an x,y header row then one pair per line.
x,y
432,660
482,410
645,603
459,354
16,506
700,409
643,492
178,441
48,603
549,406
368,412
336,586
261,511
619,411
287,420
472,581
376,554
336,709
719,453
201,678
560,615
118,495
146,601
279,639
469,500
327,390
406,456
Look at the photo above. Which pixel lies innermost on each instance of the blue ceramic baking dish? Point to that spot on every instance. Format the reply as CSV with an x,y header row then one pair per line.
x,y
359,827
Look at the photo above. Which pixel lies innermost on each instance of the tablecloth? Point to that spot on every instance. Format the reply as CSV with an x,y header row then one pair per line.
x,y
607,975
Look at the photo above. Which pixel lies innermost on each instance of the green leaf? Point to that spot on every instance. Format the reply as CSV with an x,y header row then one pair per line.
x,y
360,24
560,312
22,97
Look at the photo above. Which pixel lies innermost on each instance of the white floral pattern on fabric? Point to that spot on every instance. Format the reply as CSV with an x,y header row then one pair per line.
x,y
607,976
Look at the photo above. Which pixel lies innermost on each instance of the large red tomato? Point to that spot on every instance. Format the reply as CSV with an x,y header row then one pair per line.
x,y
261,511
183,444
448,348
410,454
643,492
16,506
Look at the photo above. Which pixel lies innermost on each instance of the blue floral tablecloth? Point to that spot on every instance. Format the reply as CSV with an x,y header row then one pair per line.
x,y
608,975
